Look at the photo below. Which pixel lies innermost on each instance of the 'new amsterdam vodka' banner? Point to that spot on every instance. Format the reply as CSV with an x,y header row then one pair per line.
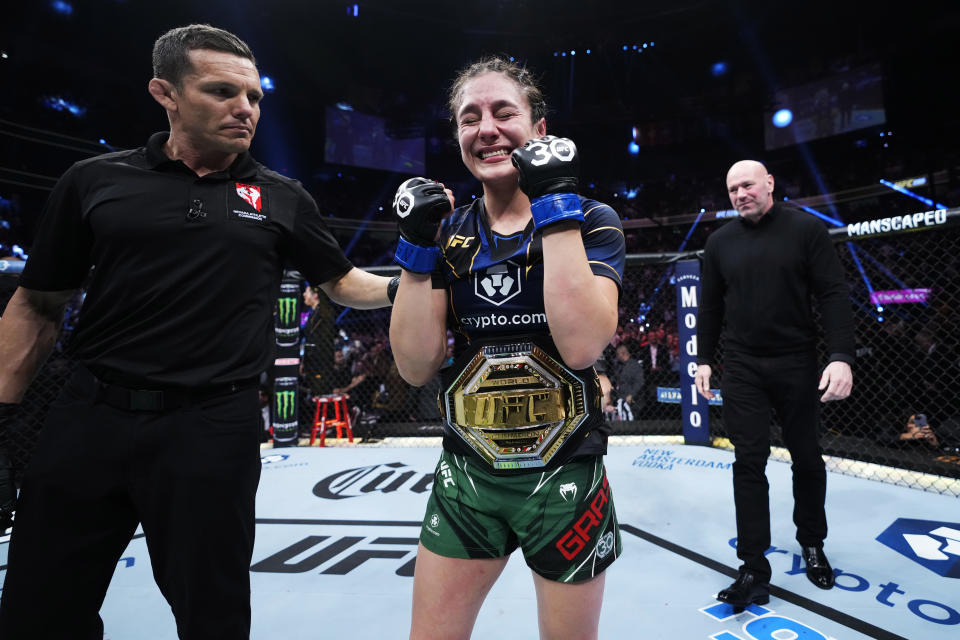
x,y
694,409
286,367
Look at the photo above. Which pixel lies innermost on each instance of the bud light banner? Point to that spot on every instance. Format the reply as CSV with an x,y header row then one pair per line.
x,y
286,368
694,409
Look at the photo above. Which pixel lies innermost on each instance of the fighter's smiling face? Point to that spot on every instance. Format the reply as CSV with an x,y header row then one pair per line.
x,y
494,119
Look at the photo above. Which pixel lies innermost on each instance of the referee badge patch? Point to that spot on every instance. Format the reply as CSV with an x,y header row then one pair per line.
x,y
251,194
252,209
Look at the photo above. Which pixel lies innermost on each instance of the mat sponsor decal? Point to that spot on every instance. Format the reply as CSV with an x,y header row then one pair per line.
x,y
338,548
883,589
931,544
668,460
382,478
759,623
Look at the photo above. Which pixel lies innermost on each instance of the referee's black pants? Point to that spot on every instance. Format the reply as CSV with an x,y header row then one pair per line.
x,y
189,476
752,386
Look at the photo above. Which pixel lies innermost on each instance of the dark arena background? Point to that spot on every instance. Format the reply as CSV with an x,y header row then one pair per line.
x,y
846,103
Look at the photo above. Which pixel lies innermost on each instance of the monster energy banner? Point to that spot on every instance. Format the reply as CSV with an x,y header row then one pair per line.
x,y
286,367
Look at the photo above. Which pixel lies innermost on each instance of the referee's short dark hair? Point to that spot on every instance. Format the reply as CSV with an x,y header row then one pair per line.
x,y
171,60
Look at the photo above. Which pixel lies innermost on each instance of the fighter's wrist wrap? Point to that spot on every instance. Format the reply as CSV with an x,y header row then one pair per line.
x,y
392,287
415,258
555,207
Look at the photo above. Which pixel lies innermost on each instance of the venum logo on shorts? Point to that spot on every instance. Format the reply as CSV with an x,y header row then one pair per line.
x,y
575,539
568,489
498,283
605,545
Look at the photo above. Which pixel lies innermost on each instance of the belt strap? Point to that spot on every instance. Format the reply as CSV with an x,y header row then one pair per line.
x,y
163,399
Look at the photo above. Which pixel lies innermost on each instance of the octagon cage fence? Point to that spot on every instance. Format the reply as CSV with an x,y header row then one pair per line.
x,y
900,425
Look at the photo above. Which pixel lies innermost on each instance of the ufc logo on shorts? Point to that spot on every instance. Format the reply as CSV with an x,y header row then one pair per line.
x,y
576,538
446,474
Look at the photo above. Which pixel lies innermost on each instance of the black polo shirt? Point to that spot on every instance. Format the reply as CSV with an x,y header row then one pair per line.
x,y
185,269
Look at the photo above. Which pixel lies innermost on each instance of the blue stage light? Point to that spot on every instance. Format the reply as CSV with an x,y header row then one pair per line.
x,y
344,106
59,104
719,69
266,83
573,52
624,47
61,7
588,51
633,148
782,118
915,196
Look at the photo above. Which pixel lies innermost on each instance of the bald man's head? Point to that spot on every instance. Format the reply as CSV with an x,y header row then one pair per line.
x,y
750,188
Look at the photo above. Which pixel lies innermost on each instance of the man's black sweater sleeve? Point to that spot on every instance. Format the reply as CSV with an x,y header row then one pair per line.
x,y
833,297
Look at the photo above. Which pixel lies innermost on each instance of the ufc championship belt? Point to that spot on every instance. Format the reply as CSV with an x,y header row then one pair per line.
x,y
516,404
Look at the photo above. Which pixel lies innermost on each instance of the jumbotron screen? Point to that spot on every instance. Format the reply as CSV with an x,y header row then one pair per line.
x,y
844,102
362,140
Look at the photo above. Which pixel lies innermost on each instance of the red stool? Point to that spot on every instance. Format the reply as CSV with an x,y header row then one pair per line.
x,y
340,419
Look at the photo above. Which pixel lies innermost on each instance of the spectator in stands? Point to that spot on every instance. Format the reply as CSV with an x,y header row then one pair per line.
x,y
319,333
340,372
159,425
628,384
606,387
655,355
918,431
760,272
933,384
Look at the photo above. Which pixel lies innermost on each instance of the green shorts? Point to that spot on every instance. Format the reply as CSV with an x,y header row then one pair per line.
x,y
563,519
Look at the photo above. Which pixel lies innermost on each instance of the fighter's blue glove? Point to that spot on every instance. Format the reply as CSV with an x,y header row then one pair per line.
x,y
420,205
549,175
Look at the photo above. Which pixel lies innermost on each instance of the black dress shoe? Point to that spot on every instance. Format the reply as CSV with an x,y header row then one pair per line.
x,y
748,589
819,570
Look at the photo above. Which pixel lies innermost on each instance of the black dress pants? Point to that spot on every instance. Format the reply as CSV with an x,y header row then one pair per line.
x,y
189,476
752,386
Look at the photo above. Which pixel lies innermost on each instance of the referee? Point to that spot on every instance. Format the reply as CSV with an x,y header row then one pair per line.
x,y
159,427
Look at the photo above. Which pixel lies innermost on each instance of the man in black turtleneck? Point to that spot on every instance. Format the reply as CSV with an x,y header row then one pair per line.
x,y
759,274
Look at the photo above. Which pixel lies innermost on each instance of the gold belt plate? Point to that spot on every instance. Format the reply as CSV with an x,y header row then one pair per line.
x,y
515,405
